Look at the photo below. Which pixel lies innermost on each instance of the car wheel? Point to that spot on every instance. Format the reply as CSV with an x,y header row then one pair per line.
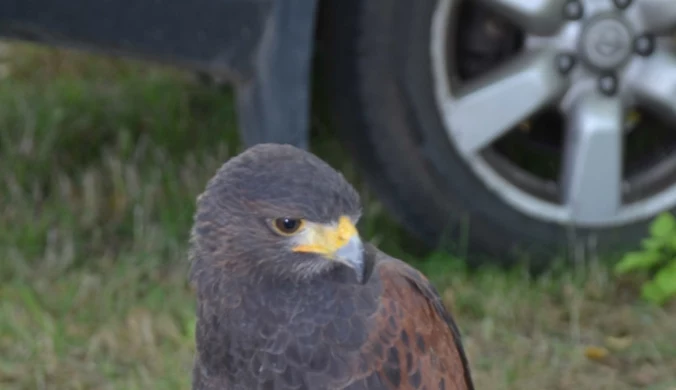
x,y
515,127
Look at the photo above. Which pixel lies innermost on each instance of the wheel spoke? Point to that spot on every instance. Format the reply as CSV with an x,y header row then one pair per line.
x,y
659,16
540,17
495,103
591,179
654,84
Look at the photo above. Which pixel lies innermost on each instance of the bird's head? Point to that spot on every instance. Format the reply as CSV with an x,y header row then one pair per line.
x,y
278,210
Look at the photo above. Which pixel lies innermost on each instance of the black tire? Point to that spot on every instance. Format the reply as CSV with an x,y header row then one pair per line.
x,y
376,62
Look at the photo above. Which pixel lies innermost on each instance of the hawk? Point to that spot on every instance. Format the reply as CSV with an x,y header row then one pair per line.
x,y
289,297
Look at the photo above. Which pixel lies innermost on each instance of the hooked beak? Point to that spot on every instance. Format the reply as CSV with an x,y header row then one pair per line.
x,y
352,254
338,242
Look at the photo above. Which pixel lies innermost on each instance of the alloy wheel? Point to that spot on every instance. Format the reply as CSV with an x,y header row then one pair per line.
x,y
593,61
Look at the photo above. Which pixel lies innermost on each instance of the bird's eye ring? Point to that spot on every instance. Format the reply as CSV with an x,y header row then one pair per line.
x,y
287,226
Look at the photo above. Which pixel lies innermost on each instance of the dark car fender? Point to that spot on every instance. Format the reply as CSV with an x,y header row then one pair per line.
x,y
274,105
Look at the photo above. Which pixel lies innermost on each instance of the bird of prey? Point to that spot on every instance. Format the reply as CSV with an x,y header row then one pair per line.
x,y
289,297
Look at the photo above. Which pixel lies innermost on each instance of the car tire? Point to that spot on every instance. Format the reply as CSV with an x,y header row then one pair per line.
x,y
375,61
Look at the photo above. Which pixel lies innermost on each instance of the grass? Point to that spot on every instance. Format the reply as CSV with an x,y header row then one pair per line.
x,y
100,164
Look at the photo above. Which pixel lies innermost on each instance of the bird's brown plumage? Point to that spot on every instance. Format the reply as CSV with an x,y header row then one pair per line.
x,y
269,318
413,342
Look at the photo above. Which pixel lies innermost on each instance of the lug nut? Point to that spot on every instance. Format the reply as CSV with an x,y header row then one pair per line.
x,y
622,4
565,63
608,84
573,10
644,45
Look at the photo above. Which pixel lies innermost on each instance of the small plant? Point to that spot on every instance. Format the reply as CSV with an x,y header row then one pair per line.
x,y
657,259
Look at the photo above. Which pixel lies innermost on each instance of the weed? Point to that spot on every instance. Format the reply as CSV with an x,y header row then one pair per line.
x,y
657,259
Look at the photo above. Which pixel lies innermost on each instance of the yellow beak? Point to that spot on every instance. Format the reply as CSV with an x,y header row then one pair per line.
x,y
326,240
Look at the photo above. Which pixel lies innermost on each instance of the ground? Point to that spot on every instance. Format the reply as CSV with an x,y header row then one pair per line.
x,y
100,164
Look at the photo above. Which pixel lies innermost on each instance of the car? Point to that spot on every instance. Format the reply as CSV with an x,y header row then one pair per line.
x,y
520,128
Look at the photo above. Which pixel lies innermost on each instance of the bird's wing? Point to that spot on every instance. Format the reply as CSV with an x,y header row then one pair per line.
x,y
413,342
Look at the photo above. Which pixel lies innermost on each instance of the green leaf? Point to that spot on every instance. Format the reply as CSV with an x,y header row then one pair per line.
x,y
651,292
652,244
638,261
663,226
665,279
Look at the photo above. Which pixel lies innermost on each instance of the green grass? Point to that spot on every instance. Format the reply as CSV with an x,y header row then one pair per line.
x,y
100,163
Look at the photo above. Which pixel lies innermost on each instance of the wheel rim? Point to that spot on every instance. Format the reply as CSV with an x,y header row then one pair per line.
x,y
592,60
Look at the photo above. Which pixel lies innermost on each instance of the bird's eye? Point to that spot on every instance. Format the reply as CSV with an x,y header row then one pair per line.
x,y
287,226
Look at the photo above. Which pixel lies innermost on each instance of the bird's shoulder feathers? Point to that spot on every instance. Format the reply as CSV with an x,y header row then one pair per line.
x,y
413,340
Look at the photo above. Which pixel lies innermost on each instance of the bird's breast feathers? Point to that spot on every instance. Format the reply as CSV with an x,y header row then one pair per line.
x,y
390,333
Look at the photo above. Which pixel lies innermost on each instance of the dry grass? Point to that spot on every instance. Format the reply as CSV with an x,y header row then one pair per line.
x,y
101,161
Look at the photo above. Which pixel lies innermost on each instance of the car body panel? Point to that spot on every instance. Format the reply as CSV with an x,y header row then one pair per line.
x,y
263,47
